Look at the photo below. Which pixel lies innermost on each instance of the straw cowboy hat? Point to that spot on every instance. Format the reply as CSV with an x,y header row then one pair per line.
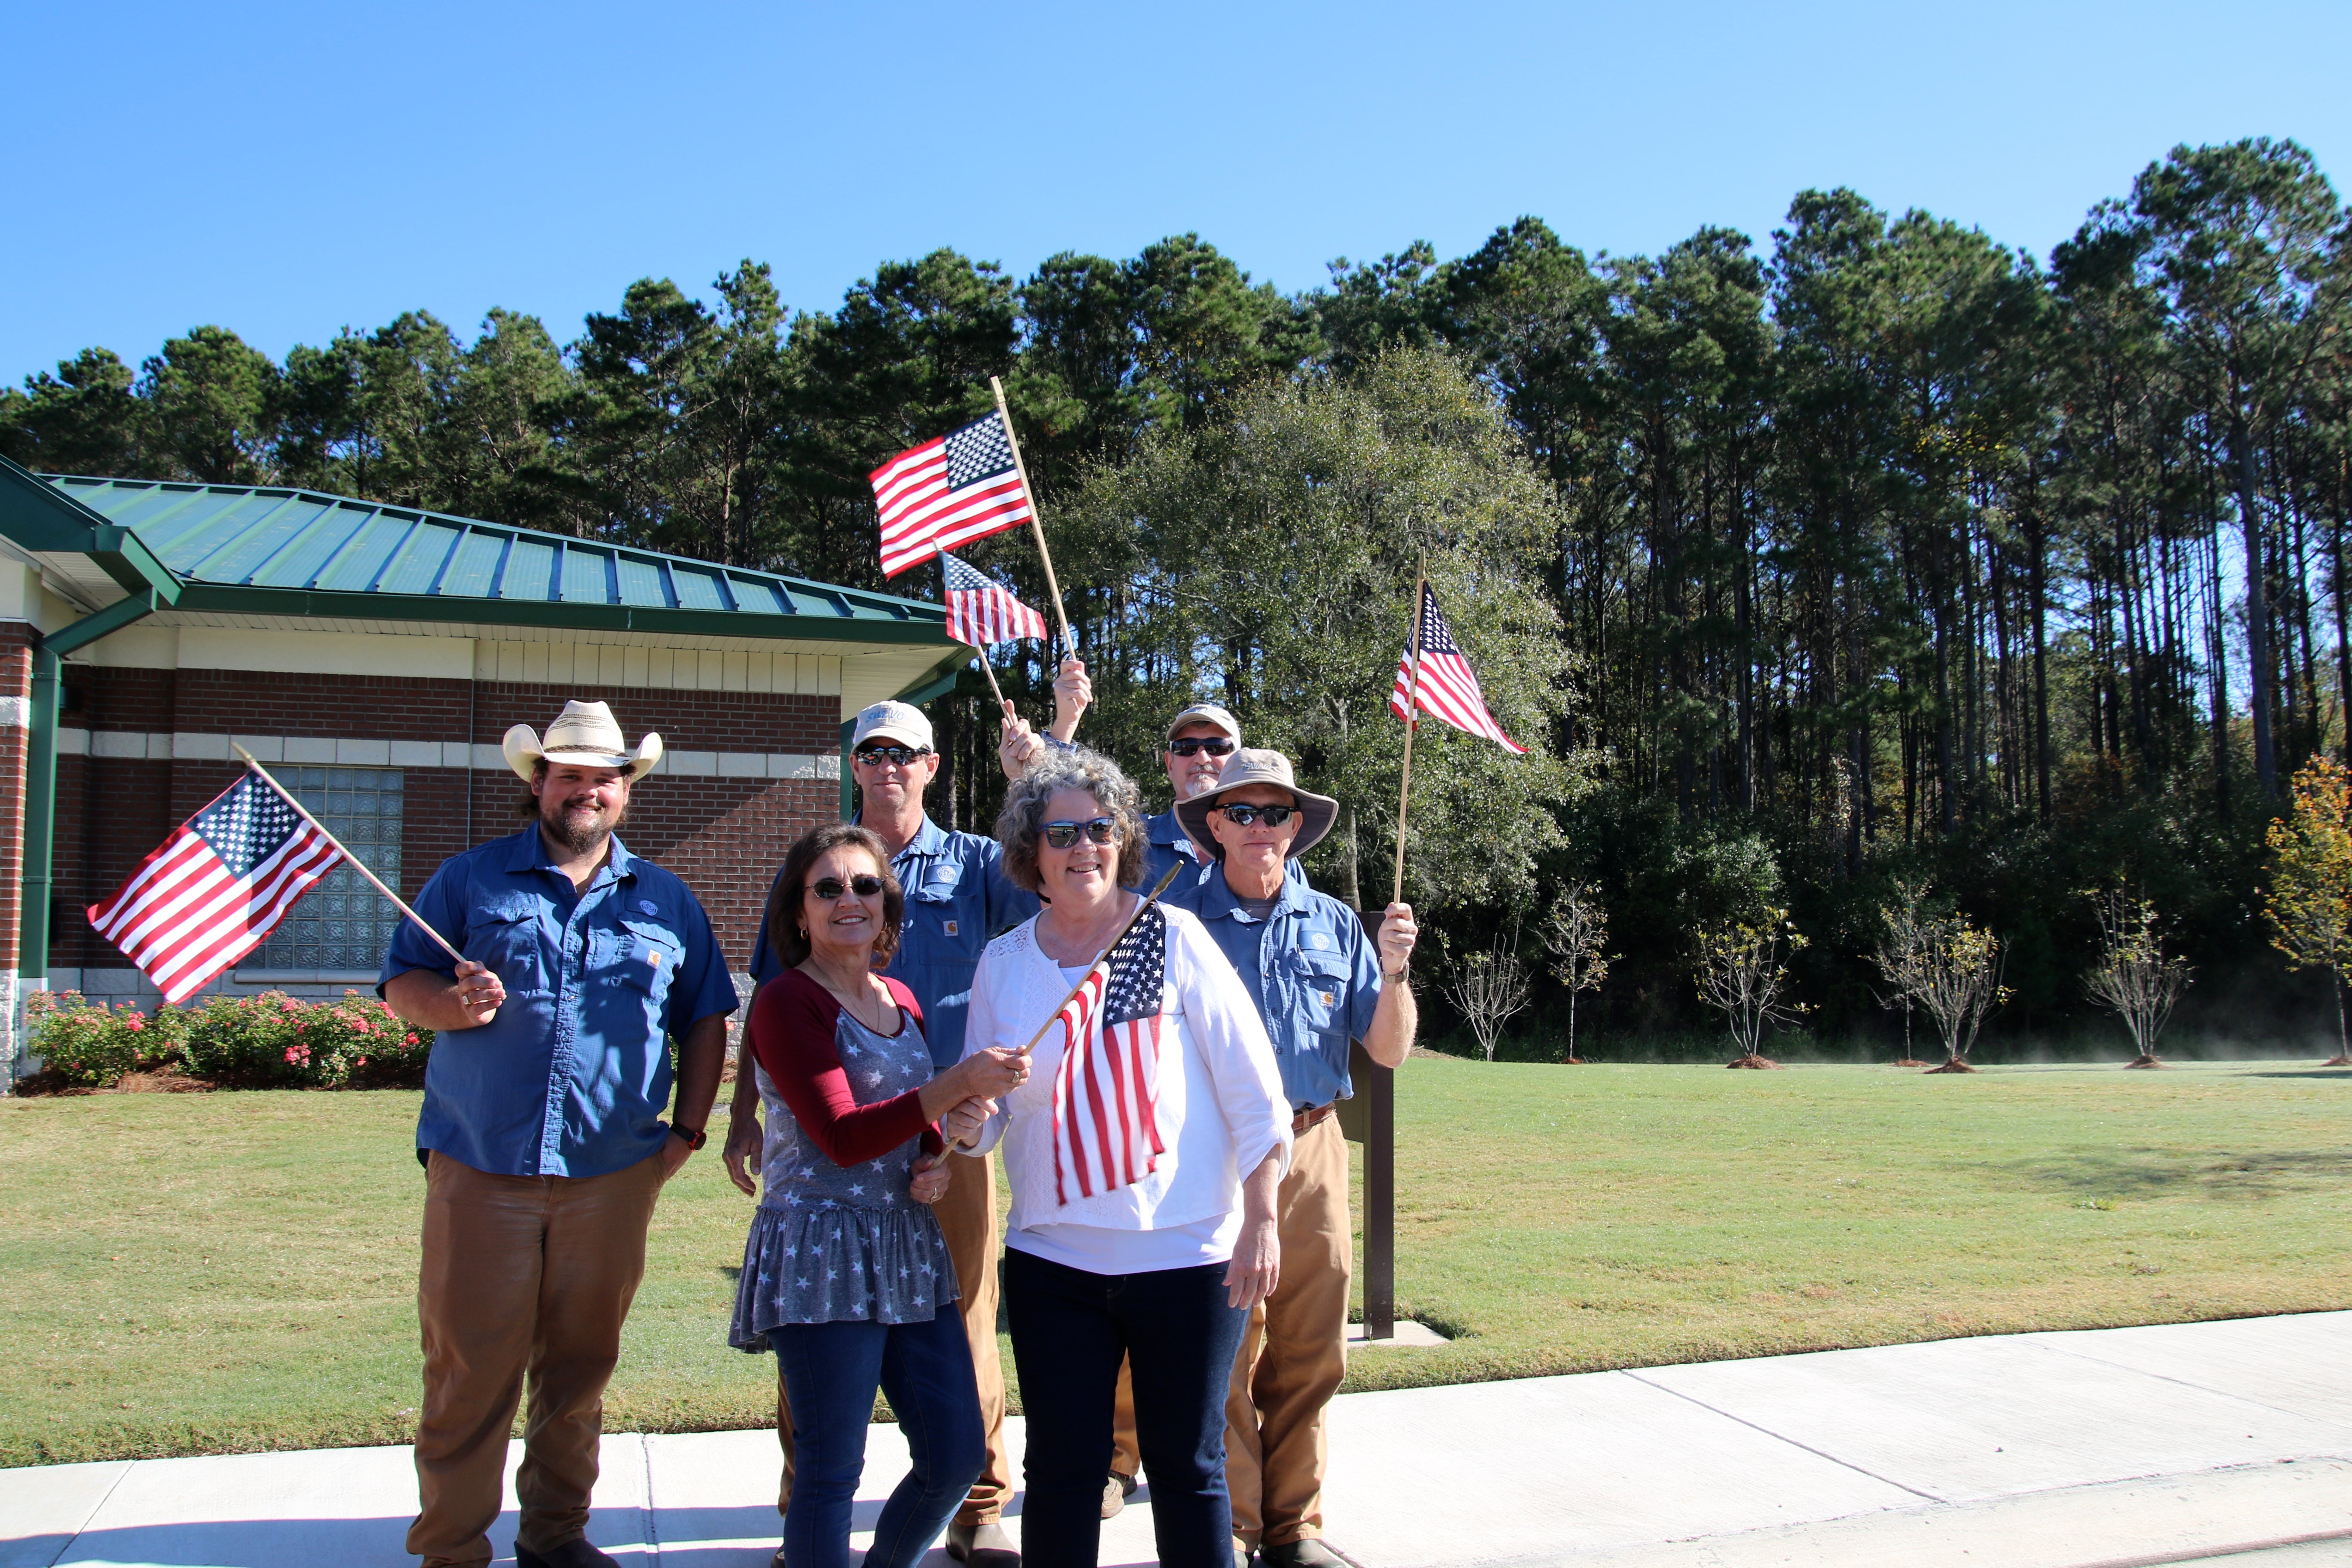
x,y
584,733
1316,812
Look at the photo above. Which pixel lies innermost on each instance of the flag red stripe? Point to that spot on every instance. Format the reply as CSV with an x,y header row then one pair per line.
x,y
242,924
232,908
162,862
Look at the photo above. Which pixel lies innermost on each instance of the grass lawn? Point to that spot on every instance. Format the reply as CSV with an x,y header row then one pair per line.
x,y
210,1273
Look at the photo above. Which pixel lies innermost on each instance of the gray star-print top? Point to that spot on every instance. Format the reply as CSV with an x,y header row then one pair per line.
x,y
832,1243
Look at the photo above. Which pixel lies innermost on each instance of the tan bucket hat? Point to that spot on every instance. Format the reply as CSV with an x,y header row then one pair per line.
x,y
585,733
1317,812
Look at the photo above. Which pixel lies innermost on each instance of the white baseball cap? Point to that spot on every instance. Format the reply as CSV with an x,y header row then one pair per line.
x,y
899,721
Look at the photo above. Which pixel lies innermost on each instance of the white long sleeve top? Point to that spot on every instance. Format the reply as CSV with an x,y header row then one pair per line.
x,y
1221,1110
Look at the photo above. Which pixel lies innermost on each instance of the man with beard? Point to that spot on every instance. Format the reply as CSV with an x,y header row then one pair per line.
x,y
1200,739
541,1134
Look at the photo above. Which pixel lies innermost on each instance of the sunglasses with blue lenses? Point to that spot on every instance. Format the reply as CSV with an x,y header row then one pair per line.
x,y
1101,830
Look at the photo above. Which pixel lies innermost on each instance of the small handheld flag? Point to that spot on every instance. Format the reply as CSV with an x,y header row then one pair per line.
x,y
1105,1133
1444,684
217,886
948,492
981,611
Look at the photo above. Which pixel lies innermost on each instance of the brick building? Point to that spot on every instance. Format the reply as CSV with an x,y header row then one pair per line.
x,y
373,657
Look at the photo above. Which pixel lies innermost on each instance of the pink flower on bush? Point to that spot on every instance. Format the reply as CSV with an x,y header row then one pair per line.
x,y
411,1038
298,1055
361,1063
134,1023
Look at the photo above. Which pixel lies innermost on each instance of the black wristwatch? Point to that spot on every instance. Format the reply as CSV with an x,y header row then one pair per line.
x,y
694,1137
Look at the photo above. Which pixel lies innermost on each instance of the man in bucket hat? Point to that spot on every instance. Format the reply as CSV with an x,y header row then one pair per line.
x,y
1319,983
541,1133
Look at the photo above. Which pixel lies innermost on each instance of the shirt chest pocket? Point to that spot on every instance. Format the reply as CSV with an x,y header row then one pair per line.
x,y
644,955
943,921
505,938
1319,981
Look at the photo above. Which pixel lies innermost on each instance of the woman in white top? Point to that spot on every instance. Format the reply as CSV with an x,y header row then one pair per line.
x,y
1143,1172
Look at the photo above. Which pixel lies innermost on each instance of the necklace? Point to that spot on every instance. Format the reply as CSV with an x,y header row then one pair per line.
x,y
861,1000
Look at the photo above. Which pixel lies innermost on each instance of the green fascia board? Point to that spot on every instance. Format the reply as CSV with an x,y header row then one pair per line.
x,y
39,517
465,610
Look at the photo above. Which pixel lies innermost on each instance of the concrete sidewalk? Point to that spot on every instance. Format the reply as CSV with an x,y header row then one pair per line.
x,y
2174,1444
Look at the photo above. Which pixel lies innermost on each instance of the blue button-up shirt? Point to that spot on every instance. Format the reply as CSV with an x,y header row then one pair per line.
x,y
573,1077
1312,970
958,898
1167,844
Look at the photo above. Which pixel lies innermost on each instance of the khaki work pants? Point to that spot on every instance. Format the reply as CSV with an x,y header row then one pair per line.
x,y
1294,1354
522,1275
968,1220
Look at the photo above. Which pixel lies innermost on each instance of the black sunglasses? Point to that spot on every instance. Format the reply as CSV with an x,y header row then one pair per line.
x,y
1246,814
1062,835
875,756
1216,745
831,888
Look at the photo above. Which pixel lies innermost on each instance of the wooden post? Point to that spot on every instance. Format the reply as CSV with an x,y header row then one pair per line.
x,y
1036,525
356,863
1377,1084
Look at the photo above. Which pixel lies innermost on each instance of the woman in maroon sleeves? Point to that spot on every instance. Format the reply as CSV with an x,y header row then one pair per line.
x,y
846,1274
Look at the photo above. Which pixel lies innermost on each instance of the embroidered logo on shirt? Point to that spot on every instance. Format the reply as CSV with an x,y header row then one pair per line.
x,y
646,906
1328,999
1319,939
951,927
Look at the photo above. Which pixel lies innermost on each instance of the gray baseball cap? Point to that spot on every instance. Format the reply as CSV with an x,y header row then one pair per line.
x,y
1205,714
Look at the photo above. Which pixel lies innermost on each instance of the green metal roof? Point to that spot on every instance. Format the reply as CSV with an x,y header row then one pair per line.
x,y
263,549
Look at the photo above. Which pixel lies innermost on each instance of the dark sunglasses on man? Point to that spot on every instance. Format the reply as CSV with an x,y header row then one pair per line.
x,y
875,756
829,889
1062,835
1191,745
1243,814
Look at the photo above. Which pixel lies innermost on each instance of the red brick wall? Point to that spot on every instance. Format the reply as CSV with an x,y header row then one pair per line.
x,y
15,680
724,835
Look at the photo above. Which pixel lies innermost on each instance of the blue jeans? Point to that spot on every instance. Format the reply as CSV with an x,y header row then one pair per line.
x,y
831,1370
1070,1330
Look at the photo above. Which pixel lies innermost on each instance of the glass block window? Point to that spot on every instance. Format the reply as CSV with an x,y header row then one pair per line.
x,y
341,923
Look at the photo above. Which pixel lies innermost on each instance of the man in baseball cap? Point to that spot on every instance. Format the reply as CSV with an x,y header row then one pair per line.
x,y
1199,741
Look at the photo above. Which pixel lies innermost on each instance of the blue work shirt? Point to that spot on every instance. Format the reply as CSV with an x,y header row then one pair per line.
x,y
1167,844
1312,970
958,898
573,1077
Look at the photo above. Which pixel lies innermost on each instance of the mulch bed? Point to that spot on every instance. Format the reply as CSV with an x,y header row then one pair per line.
x,y
1954,1065
1759,1064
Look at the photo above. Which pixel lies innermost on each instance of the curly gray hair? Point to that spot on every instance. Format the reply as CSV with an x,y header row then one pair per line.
x,y
1022,824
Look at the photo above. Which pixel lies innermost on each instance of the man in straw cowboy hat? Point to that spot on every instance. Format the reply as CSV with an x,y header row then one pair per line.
x,y
1319,983
542,1131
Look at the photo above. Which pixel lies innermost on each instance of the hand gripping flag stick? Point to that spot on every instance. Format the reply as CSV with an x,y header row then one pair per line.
x,y
354,862
1124,927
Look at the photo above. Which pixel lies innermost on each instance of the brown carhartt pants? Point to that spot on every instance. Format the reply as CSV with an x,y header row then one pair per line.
x,y
968,1219
521,1275
1294,1354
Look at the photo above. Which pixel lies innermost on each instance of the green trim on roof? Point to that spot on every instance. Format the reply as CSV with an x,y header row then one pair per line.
x,y
269,550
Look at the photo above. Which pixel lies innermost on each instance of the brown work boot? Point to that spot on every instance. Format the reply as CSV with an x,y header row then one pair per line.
x,y
981,1546
1307,1553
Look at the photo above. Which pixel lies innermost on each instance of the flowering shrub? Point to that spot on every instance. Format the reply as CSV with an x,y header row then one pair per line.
x,y
269,1041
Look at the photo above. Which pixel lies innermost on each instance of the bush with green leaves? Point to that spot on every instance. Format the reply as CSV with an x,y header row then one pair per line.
x,y
268,1041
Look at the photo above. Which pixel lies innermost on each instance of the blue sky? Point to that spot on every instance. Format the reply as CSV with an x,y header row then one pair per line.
x,y
285,170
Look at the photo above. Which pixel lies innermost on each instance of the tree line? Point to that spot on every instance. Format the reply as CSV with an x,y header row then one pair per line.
x,y
1876,558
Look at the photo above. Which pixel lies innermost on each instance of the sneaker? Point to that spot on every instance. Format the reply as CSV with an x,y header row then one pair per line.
x,y
1116,1492
1307,1553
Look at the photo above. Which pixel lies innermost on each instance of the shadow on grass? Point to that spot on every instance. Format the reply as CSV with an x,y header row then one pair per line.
x,y
2142,1174
2325,1075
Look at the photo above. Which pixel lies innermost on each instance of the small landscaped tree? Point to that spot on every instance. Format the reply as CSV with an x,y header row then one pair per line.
x,y
2133,976
2310,899
1958,982
1742,971
1578,930
1489,989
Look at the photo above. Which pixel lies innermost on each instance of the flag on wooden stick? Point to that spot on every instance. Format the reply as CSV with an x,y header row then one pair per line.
x,y
217,887
948,492
1106,1134
982,611
1444,684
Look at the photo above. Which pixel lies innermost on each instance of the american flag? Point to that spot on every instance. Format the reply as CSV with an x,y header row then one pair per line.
x,y
1105,1133
219,884
1448,688
950,492
980,611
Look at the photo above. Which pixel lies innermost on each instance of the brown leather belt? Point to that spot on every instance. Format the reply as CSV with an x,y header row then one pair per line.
x,y
1306,1119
